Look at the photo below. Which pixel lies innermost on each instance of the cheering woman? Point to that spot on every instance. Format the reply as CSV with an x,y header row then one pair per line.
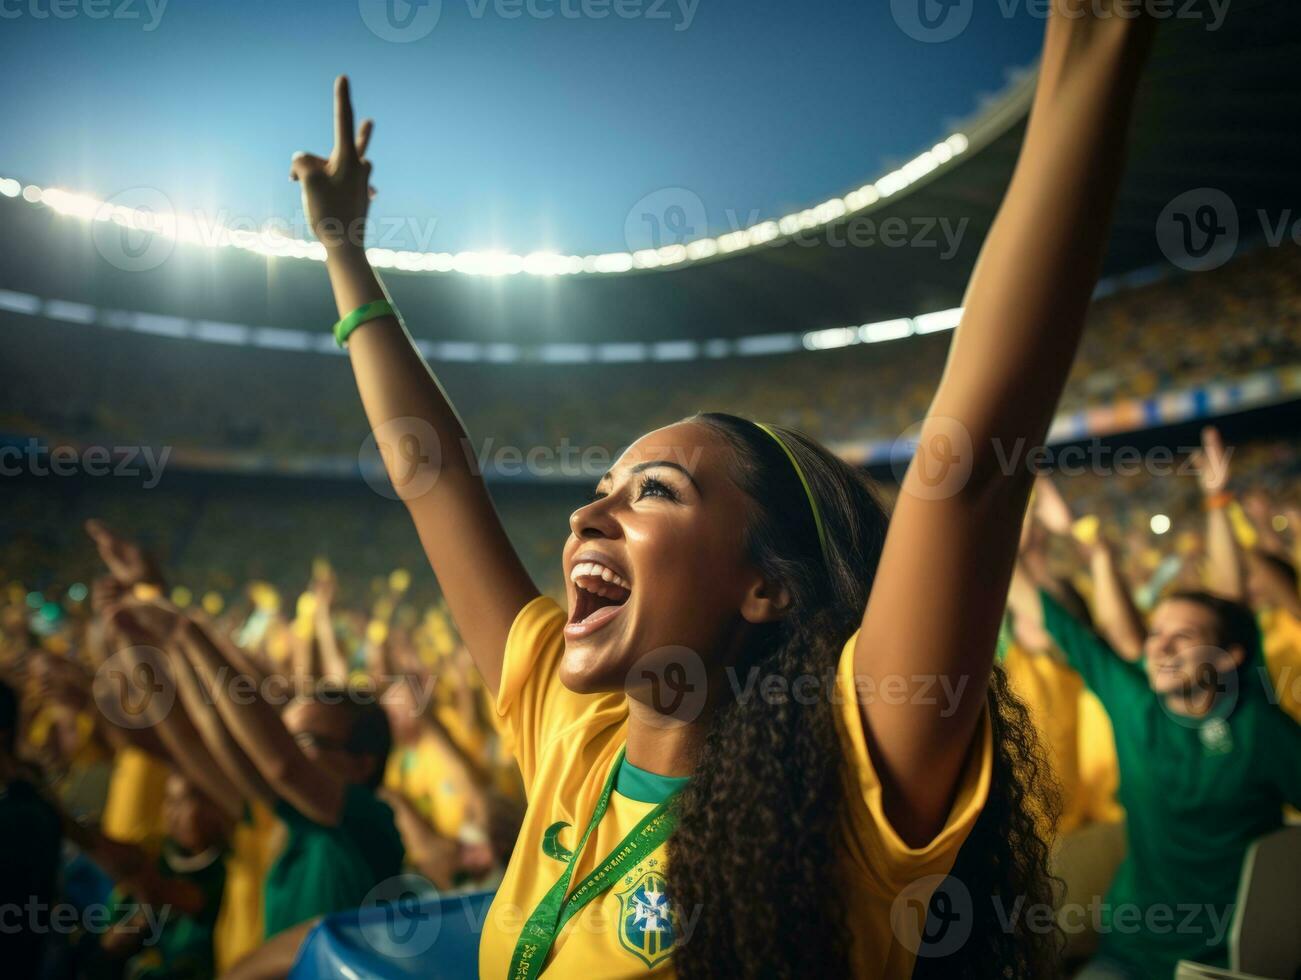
x,y
757,739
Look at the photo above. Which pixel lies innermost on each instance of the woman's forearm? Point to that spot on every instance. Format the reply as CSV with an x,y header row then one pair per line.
x,y
420,438
433,469
397,388
938,598
1024,310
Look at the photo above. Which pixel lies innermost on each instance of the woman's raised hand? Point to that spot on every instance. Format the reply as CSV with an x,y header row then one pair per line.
x,y
337,191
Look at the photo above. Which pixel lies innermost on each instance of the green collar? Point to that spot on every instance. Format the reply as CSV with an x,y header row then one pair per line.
x,y
646,787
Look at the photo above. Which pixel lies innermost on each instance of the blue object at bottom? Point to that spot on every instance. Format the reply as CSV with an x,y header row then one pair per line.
x,y
431,938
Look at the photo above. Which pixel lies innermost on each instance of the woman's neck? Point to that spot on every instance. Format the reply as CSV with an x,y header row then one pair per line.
x,y
664,746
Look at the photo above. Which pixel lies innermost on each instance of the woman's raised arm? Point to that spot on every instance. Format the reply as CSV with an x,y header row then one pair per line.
x,y
423,443
934,612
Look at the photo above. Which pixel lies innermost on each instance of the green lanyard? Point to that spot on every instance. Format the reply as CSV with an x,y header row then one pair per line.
x,y
554,911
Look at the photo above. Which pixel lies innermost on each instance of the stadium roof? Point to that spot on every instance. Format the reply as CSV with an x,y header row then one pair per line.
x,y
1218,109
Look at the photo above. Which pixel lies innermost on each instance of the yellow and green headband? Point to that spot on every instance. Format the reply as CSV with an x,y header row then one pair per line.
x,y
808,491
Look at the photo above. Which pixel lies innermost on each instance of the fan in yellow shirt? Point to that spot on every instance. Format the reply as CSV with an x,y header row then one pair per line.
x,y
742,612
239,927
568,745
1272,587
133,811
1051,691
1099,770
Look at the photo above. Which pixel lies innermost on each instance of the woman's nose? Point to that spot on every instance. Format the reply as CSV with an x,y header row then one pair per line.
x,y
594,520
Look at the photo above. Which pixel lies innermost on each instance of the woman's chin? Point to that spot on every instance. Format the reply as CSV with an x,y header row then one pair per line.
x,y
584,670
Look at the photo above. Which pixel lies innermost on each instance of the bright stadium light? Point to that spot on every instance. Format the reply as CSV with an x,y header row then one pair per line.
x,y
935,322
830,339
875,333
1159,524
271,242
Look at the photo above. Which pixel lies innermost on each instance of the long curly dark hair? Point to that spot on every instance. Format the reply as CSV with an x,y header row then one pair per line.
x,y
756,850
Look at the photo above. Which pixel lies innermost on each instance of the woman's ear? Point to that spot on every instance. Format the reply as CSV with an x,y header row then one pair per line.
x,y
764,602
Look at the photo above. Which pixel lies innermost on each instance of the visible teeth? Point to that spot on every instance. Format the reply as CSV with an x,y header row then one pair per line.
x,y
590,569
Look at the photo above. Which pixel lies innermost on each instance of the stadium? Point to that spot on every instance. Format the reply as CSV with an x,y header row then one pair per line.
x,y
170,378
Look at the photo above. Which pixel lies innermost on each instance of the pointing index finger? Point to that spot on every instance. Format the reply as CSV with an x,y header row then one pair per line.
x,y
343,129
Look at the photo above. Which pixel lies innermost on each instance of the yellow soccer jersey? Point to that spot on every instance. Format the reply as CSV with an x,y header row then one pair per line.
x,y
566,744
133,812
1281,639
1051,691
1099,770
238,930
436,781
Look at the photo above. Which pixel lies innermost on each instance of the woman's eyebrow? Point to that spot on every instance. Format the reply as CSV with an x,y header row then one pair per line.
x,y
651,464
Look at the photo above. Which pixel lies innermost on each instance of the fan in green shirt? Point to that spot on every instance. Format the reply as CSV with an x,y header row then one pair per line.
x,y
339,845
163,908
1207,761
318,763
326,869
182,949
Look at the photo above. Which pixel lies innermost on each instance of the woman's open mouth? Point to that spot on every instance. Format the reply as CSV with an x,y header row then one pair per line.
x,y
599,596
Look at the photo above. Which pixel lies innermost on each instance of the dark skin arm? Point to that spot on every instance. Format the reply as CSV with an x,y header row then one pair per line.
x,y
1224,569
166,715
274,958
478,570
132,867
939,593
232,760
257,729
1116,616
213,757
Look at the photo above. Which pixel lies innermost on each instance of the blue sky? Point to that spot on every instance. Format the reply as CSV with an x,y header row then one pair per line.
x,y
512,124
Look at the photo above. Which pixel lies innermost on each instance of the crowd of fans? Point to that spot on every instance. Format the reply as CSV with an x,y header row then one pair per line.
x,y
202,821
203,832
1174,332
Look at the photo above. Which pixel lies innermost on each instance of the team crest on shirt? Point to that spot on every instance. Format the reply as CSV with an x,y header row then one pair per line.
x,y
645,920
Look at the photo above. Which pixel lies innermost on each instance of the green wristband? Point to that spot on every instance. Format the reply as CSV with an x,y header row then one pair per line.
x,y
362,314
